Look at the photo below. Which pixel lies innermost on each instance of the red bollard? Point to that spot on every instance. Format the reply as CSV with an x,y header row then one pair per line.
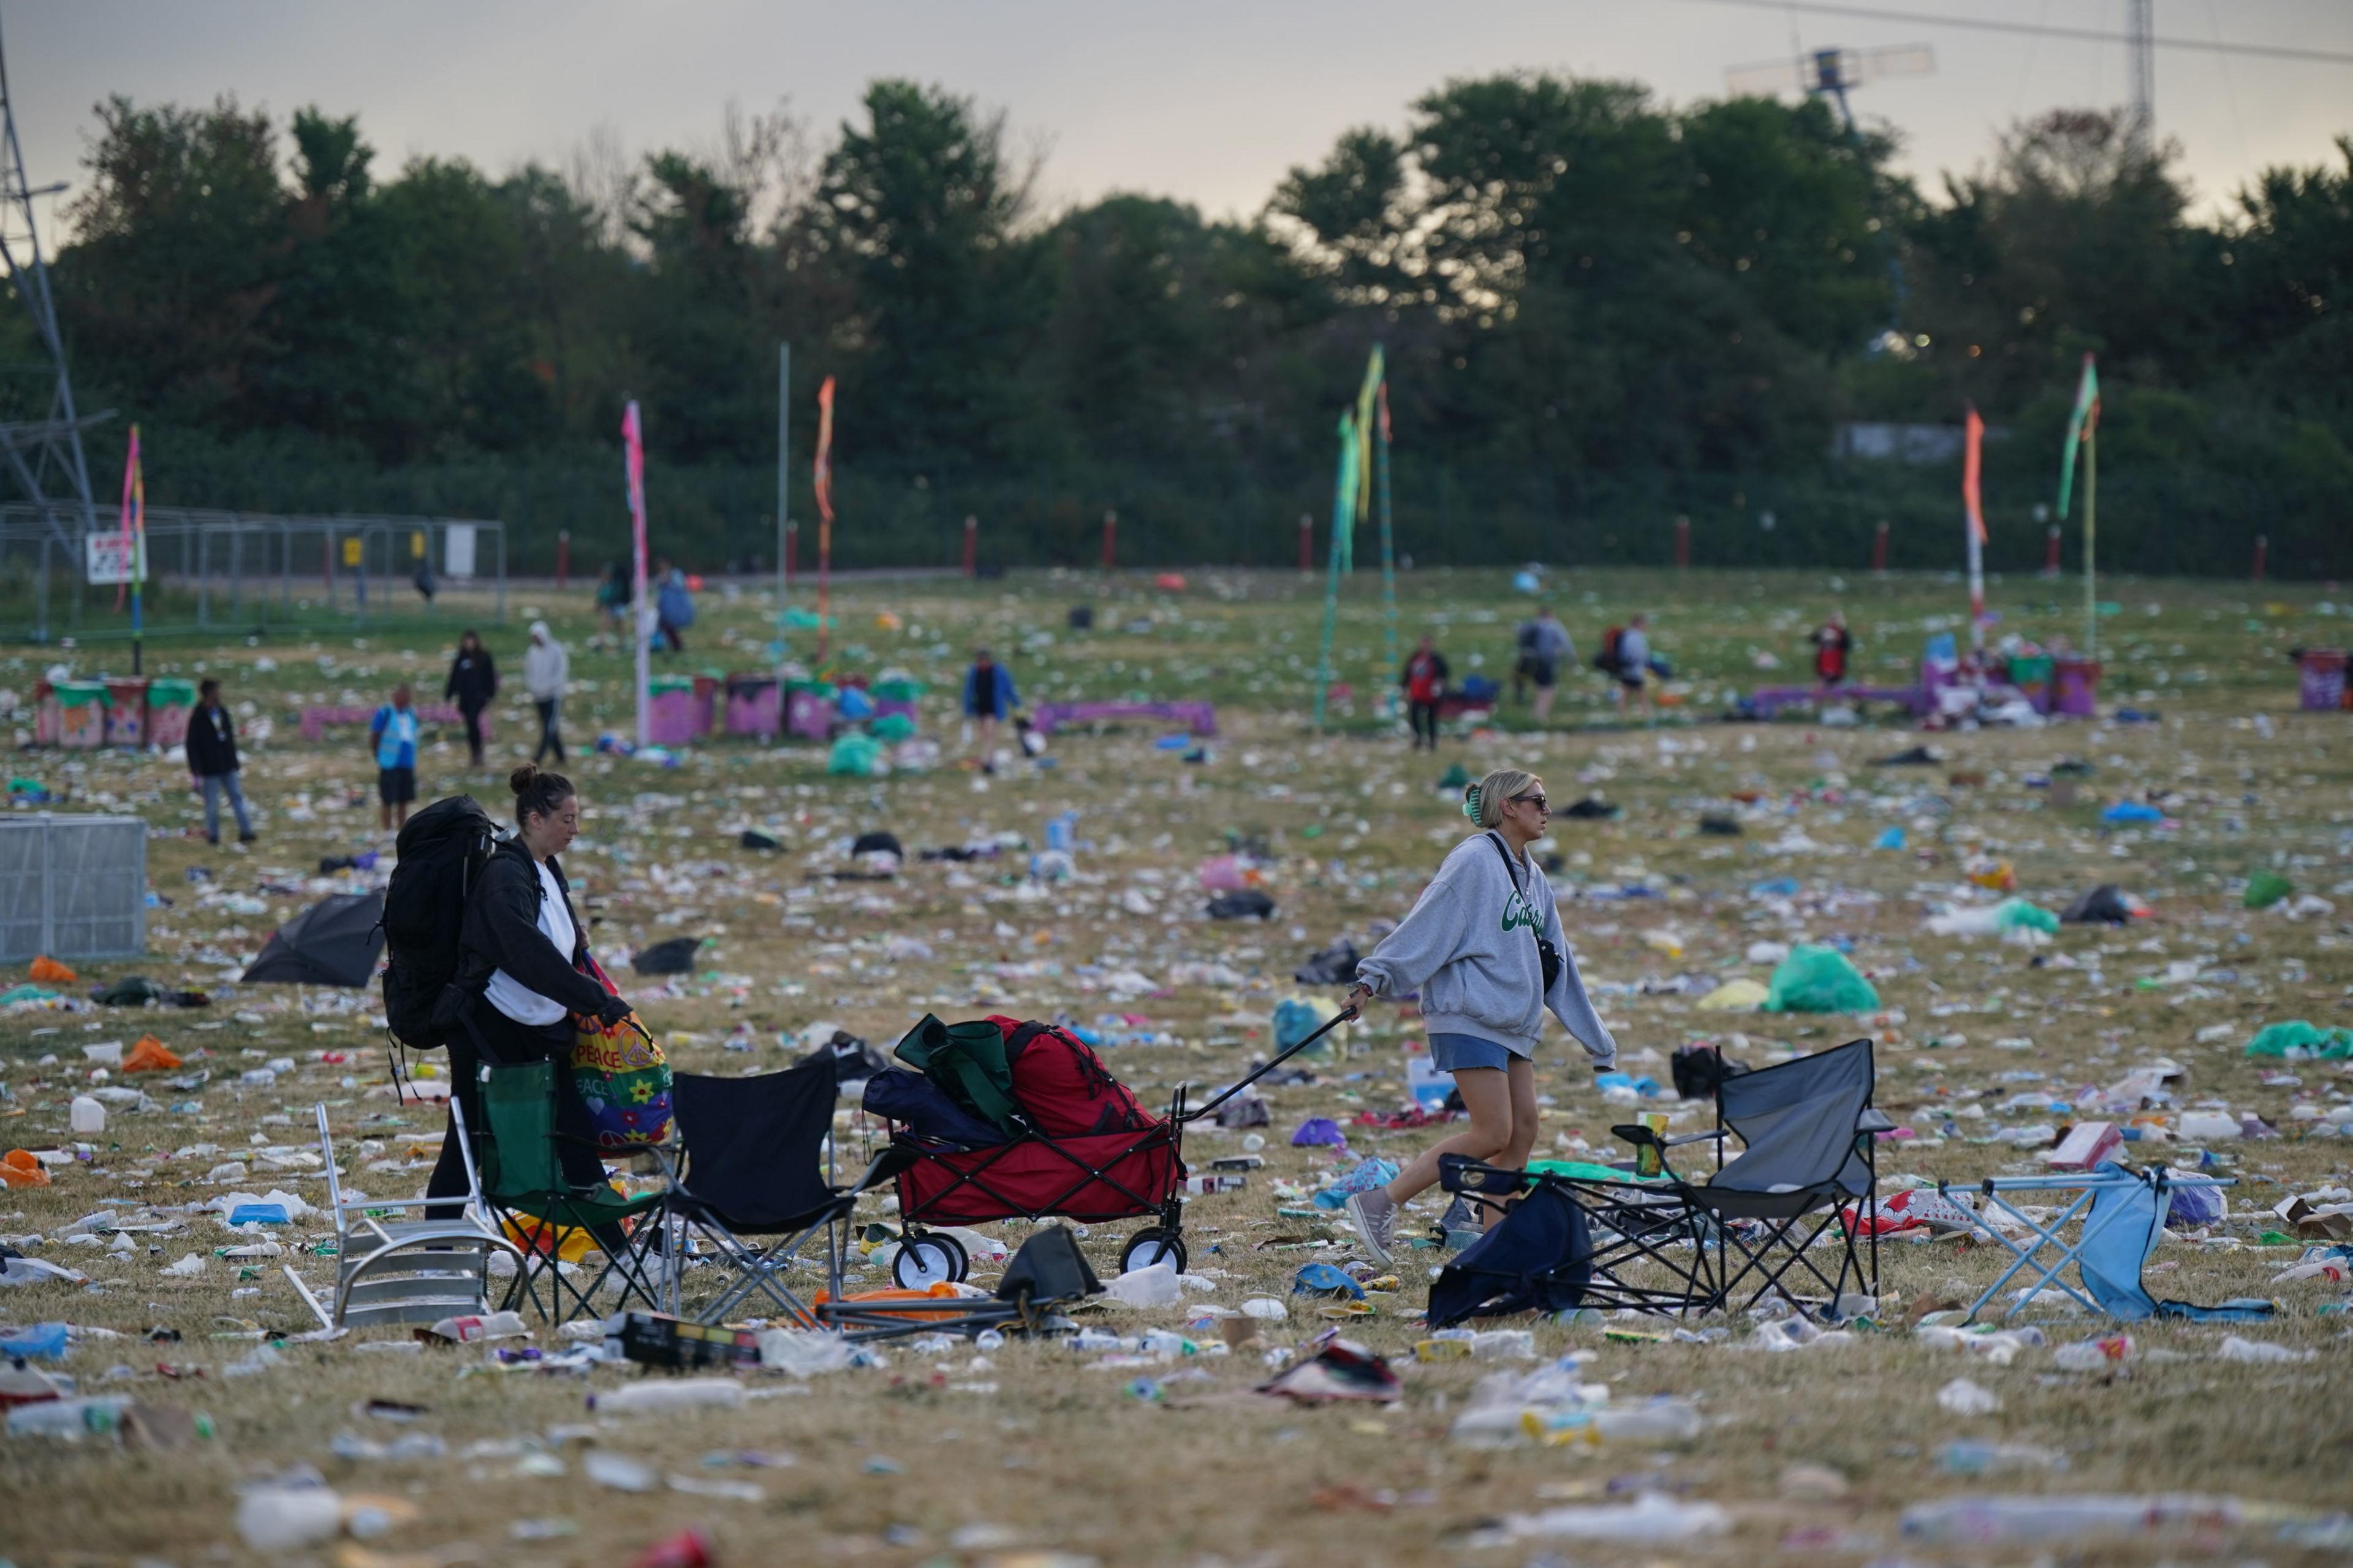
x,y
1306,544
2263,544
1682,541
792,553
563,557
2051,552
1111,538
1879,549
971,544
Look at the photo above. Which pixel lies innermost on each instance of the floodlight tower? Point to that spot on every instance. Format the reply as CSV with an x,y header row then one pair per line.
x,y
44,455
1830,73
2140,70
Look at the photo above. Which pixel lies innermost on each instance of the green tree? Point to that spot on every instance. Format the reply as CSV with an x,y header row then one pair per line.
x,y
926,210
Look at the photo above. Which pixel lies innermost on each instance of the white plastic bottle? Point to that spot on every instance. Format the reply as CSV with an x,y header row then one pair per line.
x,y
68,1418
653,1398
282,1519
88,1115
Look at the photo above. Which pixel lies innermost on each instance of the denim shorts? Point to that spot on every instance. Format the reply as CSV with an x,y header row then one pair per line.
x,y
1452,1053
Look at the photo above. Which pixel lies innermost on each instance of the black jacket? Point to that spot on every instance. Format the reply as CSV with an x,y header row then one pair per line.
x,y
212,742
473,681
501,931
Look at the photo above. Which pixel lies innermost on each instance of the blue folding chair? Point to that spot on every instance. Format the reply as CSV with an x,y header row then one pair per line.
x,y
2122,1213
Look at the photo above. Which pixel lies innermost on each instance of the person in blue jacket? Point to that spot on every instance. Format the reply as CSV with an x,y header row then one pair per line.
x,y
673,605
988,696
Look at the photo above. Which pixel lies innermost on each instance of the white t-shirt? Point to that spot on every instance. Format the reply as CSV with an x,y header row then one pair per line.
x,y
506,993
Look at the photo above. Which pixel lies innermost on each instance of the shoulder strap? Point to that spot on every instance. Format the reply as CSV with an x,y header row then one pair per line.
x,y
1509,869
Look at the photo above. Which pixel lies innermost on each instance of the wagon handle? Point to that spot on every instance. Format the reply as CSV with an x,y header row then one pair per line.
x,y
1334,1022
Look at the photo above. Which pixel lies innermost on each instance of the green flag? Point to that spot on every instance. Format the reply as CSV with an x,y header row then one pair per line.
x,y
2086,412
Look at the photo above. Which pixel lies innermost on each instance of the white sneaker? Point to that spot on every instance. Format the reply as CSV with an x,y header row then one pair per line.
x,y
1375,1217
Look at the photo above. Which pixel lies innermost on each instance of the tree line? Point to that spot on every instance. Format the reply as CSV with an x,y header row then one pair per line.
x,y
1598,310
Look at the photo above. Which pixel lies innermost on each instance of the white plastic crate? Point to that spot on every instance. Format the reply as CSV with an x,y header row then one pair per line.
x,y
72,887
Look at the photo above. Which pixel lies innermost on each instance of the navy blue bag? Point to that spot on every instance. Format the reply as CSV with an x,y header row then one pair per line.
x,y
1536,1258
917,1103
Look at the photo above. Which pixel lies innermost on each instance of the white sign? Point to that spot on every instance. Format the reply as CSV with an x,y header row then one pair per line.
x,y
109,559
457,549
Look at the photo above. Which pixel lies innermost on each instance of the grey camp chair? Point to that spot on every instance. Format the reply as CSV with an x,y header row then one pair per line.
x,y
1808,1132
407,1271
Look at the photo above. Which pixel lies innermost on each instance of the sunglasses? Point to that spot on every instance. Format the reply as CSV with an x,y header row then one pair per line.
x,y
1535,800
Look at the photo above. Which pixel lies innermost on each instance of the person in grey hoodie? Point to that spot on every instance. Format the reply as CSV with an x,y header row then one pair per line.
x,y
1471,947
546,668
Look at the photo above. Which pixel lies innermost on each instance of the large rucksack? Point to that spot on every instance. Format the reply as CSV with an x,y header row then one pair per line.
x,y
443,849
1606,656
1063,1086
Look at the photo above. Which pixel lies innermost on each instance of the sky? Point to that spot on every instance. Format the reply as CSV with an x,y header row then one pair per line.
x,y
1211,102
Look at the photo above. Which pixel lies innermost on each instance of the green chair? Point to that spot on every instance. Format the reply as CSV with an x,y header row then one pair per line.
x,y
524,1185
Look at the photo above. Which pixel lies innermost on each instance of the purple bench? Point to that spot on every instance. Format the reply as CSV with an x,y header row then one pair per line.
x,y
316,720
1200,717
1768,701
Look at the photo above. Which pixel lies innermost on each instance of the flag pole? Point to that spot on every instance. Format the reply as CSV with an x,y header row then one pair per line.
x,y
1389,556
641,611
822,480
1343,511
1974,525
2090,536
783,502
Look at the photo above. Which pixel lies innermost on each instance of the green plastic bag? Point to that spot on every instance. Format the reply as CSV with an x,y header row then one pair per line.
x,y
2266,888
892,727
853,755
2296,1035
2016,912
1819,980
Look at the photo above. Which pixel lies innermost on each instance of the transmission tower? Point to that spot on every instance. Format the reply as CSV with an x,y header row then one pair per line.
x,y
2140,71
44,455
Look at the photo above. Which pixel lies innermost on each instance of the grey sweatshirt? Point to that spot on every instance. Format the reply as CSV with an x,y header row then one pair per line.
x,y
1466,947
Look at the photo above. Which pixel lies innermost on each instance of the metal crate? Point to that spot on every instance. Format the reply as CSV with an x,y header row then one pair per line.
x,y
72,887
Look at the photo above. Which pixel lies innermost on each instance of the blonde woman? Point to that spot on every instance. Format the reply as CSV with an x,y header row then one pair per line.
x,y
1483,947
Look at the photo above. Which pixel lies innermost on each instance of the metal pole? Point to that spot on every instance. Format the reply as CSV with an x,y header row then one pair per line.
x,y
784,498
1111,538
972,545
2090,538
501,606
1388,557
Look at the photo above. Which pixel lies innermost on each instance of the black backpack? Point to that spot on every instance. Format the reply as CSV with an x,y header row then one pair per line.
x,y
443,849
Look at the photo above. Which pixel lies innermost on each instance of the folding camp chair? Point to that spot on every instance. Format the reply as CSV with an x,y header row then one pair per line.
x,y
2122,1213
525,1189
406,1271
754,1183
1564,1242
1809,1133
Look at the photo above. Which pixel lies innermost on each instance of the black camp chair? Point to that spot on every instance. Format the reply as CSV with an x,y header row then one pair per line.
x,y
752,1181
1808,1133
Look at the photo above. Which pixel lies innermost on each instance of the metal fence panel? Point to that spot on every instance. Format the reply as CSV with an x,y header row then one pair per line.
x,y
72,887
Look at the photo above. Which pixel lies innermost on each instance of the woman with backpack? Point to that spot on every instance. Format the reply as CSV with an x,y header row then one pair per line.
x,y
522,975
473,681
1483,948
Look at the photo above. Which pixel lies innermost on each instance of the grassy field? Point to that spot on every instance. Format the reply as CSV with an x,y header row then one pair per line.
x,y
1038,1454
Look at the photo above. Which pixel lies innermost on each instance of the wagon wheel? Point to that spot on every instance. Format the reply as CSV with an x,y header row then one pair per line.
x,y
928,1259
1147,1247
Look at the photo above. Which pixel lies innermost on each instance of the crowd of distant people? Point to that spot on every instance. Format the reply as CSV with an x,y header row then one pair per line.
x,y
1542,650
